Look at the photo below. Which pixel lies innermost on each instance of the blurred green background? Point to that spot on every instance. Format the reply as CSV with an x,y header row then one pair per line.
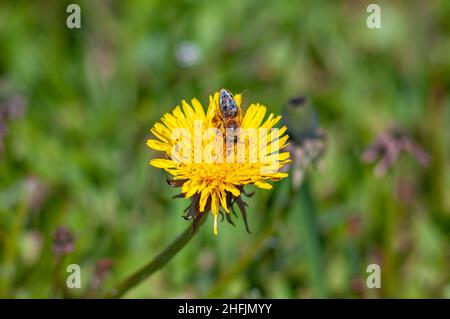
x,y
81,102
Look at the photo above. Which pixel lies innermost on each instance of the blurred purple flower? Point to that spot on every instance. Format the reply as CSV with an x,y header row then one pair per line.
x,y
102,269
63,241
11,108
387,148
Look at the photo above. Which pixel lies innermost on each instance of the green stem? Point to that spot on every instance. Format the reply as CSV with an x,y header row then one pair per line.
x,y
306,217
259,244
239,266
8,269
154,265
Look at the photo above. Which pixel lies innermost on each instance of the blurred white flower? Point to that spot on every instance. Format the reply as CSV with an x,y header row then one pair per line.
x,y
187,54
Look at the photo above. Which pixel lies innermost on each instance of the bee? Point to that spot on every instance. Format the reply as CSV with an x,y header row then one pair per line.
x,y
230,117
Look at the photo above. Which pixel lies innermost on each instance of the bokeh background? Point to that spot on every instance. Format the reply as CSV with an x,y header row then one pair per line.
x,y
76,109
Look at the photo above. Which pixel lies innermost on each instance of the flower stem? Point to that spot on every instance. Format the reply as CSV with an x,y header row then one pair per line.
x,y
284,192
241,264
155,264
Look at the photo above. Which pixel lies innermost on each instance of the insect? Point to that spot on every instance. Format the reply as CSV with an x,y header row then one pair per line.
x,y
231,114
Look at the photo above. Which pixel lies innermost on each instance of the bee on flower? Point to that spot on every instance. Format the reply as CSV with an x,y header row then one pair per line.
x,y
212,155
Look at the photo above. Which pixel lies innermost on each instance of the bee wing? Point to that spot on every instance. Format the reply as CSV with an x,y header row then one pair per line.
x,y
245,101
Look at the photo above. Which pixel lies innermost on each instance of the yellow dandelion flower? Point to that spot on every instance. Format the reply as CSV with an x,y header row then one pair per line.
x,y
213,155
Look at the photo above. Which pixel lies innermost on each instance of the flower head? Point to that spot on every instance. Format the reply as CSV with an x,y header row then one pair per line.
x,y
212,156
